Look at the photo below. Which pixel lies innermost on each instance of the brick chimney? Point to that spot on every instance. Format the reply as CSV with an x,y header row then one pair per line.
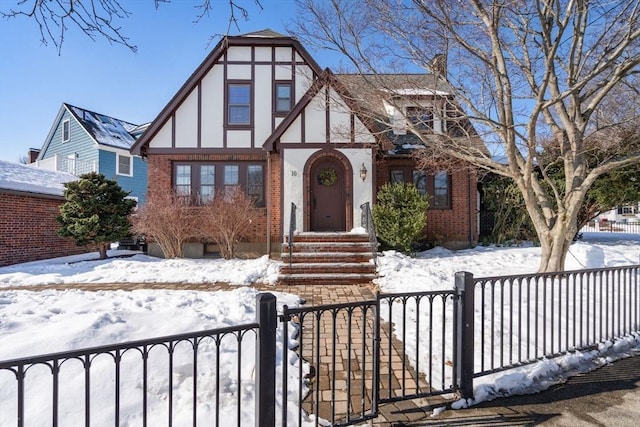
x,y
33,154
439,65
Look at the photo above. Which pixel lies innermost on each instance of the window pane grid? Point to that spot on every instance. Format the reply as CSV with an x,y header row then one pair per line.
x,y
437,185
283,97
255,183
183,179
124,165
441,189
207,182
420,181
239,103
201,181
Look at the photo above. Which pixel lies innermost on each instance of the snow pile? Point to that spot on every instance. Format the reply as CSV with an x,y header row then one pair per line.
x,y
140,269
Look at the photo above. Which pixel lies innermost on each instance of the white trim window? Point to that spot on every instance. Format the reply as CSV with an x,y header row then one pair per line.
x,y
66,130
124,165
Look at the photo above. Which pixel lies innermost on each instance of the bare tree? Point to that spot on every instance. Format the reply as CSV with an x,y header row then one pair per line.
x,y
168,220
227,219
521,72
101,18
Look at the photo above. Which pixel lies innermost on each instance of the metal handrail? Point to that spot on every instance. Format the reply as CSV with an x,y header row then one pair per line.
x,y
292,229
366,220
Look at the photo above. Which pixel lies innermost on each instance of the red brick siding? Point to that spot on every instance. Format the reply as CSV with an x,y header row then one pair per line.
x,y
160,178
449,227
29,230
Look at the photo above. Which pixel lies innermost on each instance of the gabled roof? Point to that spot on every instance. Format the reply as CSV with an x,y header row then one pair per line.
x,y
102,129
30,179
265,37
105,130
423,84
372,89
326,78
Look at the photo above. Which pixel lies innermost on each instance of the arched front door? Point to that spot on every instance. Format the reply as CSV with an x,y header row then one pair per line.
x,y
328,189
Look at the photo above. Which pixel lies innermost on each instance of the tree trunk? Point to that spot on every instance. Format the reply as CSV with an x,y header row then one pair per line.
x,y
555,246
102,250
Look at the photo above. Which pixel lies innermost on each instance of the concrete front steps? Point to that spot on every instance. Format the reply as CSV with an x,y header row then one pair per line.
x,y
327,259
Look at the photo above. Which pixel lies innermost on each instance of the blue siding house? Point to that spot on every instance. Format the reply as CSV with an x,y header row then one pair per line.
x,y
82,141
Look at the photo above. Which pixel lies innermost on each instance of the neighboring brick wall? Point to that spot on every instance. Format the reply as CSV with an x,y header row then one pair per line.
x,y
29,230
449,227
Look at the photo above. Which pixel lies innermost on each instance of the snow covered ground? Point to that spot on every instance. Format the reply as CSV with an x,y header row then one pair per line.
x,y
34,323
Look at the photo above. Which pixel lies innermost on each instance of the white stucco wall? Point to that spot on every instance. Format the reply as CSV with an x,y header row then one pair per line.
x,y
187,122
262,96
303,80
212,108
163,137
362,190
315,120
293,134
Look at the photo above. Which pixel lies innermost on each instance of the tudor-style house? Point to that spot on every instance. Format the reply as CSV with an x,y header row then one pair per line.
x,y
259,112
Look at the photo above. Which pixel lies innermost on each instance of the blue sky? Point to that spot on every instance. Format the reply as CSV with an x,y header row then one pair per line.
x,y
110,79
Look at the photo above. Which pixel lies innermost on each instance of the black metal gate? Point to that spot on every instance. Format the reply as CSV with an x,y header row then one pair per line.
x,y
358,355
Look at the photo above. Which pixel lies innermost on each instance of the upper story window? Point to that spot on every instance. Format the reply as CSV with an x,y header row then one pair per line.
x,y
437,186
239,103
66,131
124,165
200,182
283,97
421,117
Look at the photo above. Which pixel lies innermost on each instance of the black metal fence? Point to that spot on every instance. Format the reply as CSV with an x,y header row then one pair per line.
x,y
335,362
165,378
521,319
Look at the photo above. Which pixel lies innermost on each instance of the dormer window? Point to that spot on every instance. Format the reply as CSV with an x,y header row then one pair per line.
x,y
66,131
421,117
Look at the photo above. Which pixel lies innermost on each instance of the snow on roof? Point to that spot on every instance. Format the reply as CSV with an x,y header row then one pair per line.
x,y
104,129
18,177
417,92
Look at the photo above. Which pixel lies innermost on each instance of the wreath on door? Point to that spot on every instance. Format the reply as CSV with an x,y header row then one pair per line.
x,y
328,177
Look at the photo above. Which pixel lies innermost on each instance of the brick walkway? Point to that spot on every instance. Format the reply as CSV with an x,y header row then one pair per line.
x,y
391,414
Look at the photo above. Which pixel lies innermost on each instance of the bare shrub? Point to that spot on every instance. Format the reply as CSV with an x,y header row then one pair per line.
x,y
227,218
168,220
